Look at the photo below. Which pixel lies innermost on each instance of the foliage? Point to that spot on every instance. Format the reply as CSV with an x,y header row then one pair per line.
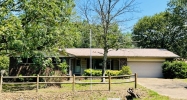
x,y
31,25
149,31
112,72
182,3
4,63
164,30
125,70
63,67
28,27
117,39
89,72
175,69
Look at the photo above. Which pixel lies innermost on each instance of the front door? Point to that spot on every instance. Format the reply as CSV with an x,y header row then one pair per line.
x,y
77,69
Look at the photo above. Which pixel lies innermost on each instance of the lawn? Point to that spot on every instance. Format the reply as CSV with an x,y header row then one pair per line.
x,y
84,92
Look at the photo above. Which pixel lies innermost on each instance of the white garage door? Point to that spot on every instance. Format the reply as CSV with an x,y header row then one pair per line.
x,y
146,69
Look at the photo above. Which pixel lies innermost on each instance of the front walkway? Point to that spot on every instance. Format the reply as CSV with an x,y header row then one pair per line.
x,y
174,88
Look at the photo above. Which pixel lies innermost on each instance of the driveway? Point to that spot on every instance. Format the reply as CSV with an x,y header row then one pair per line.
x,y
174,88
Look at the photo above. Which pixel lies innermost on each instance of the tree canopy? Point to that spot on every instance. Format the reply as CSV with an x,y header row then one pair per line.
x,y
31,25
122,40
164,30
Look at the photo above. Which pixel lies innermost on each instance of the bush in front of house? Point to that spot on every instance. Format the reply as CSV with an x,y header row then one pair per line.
x,y
175,69
92,72
4,64
125,71
87,72
112,72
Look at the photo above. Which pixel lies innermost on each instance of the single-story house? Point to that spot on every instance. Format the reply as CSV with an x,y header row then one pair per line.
x,y
144,62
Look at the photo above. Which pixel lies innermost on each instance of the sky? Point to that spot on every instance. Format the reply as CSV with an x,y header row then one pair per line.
x,y
147,8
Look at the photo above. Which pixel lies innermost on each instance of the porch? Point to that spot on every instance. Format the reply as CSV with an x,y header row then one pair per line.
x,y
78,65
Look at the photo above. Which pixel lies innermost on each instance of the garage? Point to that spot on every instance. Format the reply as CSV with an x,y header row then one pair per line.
x,y
146,69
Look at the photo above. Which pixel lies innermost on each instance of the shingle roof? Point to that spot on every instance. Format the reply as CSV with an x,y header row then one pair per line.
x,y
98,52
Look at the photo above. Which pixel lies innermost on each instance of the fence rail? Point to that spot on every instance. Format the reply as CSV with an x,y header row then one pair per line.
x,y
72,81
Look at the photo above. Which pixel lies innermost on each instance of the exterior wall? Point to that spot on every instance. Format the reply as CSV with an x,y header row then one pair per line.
x,y
83,65
145,59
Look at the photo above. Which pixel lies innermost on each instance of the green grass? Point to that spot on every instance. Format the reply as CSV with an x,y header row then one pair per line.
x,y
152,95
185,80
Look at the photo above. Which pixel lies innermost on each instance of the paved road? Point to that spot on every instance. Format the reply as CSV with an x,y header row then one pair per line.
x,y
174,88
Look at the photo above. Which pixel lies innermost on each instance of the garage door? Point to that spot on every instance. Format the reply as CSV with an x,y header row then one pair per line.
x,y
146,69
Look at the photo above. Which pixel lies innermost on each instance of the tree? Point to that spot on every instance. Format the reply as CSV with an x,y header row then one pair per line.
x,y
28,25
107,14
83,28
164,30
182,3
150,32
177,20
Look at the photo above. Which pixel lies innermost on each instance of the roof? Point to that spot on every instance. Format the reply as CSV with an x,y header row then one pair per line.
x,y
98,52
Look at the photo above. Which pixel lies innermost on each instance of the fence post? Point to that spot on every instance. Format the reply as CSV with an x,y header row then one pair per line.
x,y
37,83
135,80
73,83
109,82
1,83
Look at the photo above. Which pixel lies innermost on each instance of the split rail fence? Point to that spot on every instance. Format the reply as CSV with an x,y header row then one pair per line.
x,y
71,81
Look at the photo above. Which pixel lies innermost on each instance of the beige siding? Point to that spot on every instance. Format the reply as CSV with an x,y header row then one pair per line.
x,y
83,65
145,59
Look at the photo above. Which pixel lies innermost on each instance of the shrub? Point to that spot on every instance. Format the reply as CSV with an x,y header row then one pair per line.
x,y
63,67
4,63
87,72
125,71
166,69
175,69
112,72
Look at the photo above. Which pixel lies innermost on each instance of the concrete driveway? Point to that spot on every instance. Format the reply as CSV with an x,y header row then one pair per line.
x,y
174,88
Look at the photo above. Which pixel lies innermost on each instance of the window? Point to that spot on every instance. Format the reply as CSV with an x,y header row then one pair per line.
x,y
98,64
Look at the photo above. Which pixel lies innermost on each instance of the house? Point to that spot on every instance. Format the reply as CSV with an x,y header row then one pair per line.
x,y
144,62
27,66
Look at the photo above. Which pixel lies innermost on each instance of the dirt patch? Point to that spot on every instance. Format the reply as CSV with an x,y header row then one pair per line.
x,y
174,88
54,93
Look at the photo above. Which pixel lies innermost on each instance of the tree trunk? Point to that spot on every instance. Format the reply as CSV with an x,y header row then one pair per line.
x,y
104,63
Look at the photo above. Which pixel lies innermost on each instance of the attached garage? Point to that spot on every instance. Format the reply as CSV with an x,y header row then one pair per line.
x,y
146,69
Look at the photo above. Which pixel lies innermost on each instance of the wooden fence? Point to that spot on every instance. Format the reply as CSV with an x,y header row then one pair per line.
x,y
71,81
